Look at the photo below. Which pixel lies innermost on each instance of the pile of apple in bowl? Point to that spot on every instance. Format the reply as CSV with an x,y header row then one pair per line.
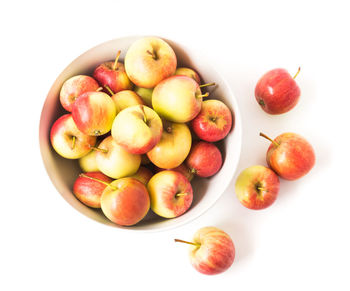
x,y
146,142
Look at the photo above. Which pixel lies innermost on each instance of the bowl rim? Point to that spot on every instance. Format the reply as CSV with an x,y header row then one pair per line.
x,y
237,129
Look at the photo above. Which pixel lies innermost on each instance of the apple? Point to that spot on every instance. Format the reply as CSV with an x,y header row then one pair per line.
x,y
189,73
178,99
213,122
290,155
173,147
183,169
137,128
88,162
88,188
68,141
125,201
257,187
114,161
277,92
148,61
170,193
126,98
143,175
93,113
113,75
145,94
74,87
204,159
212,250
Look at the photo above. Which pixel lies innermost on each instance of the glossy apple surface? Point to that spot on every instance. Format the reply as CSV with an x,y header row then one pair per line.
x,y
189,73
114,161
145,94
143,175
137,129
88,162
173,147
177,99
126,98
213,122
291,156
93,113
68,141
148,61
257,187
74,87
126,202
277,92
89,191
171,194
204,159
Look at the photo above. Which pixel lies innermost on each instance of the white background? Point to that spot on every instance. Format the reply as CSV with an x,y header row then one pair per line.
x,y
300,243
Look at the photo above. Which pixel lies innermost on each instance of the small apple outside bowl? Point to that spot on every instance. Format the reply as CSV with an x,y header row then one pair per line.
x,y
63,172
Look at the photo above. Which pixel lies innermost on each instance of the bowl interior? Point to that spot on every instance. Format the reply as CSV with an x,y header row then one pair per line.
x,y
63,172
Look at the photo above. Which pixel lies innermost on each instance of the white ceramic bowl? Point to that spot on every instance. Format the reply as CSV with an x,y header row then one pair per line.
x,y
63,172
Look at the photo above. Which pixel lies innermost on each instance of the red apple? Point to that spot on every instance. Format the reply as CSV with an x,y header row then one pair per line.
x,y
94,112
113,75
74,87
257,187
125,201
212,250
143,175
183,169
171,194
290,155
88,188
213,122
204,159
68,141
277,92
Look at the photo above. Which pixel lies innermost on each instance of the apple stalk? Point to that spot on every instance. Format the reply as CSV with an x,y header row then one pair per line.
x,y
116,60
99,149
187,242
297,73
270,139
207,85
98,180
109,89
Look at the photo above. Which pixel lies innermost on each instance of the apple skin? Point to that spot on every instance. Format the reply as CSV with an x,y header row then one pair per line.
x,y
143,175
277,92
189,73
74,87
116,79
62,136
293,158
215,253
248,183
126,98
127,204
145,94
116,162
177,99
163,188
148,61
137,129
173,147
89,191
88,162
204,159
214,121
183,169
93,113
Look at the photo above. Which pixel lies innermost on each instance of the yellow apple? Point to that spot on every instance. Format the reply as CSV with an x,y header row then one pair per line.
x,y
145,94
189,73
126,98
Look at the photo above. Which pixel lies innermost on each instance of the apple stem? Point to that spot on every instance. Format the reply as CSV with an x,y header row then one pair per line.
x,y
116,60
109,89
98,149
297,73
98,180
154,56
144,114
207,85
187,242
181,194
203,95
99,89
271,140
73,142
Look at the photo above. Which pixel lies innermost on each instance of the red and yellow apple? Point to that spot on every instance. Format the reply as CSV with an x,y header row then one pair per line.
x,y
257,187
171,194
68,141
126,98
189,73
93,113
143,175
290,155
173,147
148,61
125,201
213,122
183,169
137,129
